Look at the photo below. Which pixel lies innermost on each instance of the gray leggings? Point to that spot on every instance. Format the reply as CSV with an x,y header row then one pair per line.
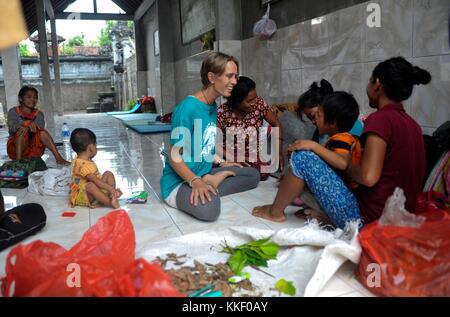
x,y
246,178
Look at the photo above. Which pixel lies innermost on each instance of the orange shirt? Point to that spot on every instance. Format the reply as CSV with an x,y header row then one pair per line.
x,y
346,143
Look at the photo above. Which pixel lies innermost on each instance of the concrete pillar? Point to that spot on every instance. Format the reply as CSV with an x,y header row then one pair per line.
x,y
47,100
167,58
141,58
229,27
228,20
11,75
57,97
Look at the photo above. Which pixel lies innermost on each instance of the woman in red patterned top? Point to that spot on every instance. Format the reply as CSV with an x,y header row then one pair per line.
x,y
241,118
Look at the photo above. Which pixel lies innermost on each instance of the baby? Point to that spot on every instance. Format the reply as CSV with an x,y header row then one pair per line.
x,y
88,187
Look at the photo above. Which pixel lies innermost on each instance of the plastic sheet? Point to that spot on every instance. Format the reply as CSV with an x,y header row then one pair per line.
x,y
308,256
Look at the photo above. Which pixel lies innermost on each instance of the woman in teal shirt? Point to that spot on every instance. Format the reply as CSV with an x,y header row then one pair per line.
x,y
190,182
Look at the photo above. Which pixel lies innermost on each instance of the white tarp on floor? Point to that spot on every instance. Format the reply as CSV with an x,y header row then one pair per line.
x,y
308,256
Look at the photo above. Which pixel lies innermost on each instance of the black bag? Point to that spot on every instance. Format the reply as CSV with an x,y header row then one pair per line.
x,y
20,223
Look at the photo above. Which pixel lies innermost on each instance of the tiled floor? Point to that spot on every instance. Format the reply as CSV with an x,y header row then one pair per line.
x,y
137,165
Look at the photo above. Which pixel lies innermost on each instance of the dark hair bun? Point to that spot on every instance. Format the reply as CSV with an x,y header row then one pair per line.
x,y
420,76
314,86
399,77
325,87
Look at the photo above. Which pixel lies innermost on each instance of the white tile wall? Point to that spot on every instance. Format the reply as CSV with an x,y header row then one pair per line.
x,y
341,47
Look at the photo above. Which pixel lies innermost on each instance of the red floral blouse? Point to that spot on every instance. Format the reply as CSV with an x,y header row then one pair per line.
x,y
245,129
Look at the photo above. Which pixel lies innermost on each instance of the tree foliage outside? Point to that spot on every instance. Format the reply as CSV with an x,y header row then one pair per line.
x,y
24,50
104,39
77,40
68,50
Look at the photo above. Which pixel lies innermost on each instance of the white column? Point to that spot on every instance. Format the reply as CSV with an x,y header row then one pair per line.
x,y
11,75
59,107
47,100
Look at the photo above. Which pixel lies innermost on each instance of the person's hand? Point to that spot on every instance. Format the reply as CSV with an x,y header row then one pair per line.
x,y
22,131
33,127
302,145
202,191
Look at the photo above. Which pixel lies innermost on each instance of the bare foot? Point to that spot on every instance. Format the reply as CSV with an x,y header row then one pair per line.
x,y
119,192
265,212
115,203
319,216
217,179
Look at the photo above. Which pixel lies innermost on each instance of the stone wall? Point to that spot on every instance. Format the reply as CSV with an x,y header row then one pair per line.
x,y
81,78
75,97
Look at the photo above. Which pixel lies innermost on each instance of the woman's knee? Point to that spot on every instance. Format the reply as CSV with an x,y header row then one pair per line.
x,y
303,162
303,155
254,176
209,212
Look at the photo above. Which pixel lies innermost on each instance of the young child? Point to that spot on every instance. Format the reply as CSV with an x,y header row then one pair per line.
x,y
27,135
87,186
321,167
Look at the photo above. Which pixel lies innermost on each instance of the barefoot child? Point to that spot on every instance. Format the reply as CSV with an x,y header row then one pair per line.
x,y
322,167
87,186
27,135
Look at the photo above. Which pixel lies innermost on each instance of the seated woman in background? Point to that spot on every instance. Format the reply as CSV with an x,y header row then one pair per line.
x,y
394,151
27,135
243,115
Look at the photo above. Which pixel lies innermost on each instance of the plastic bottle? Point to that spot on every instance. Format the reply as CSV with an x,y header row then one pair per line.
x,y
65,132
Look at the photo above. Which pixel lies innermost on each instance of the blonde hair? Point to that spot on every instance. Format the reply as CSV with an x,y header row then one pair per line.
x,y
215,63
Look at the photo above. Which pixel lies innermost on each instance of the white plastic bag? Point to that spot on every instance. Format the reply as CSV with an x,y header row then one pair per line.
x,y
265,28
52,182
395,214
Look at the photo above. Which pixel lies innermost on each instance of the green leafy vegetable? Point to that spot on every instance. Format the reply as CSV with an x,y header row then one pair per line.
x,y
255,253
286,287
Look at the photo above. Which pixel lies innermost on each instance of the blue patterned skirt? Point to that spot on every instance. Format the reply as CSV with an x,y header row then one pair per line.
x,y
336,199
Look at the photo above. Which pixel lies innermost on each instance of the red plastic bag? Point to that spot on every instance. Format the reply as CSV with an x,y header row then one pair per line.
x,y
101,264
148,100
430,201
167,118
407,261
